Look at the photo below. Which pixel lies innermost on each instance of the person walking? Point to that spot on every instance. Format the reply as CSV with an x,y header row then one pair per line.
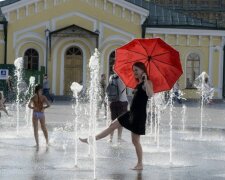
x,y
37,104
176,91
2,104
118,104
46,88
135,119
9,85
102,101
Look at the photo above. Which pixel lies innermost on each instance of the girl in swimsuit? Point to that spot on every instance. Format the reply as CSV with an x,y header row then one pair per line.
x,y
37,104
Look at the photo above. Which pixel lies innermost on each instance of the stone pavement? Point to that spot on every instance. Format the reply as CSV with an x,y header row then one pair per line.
x,y
192,157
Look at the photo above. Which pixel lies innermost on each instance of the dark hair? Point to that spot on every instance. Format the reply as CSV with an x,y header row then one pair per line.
x,y
45,74
37,88
141,66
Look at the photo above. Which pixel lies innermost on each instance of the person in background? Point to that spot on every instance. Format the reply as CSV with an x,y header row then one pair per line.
x,y
119,106
176,91
102,101
46,88
2,104
10,89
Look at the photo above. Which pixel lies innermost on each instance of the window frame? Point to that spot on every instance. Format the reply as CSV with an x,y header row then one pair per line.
x,y
192,68
29,62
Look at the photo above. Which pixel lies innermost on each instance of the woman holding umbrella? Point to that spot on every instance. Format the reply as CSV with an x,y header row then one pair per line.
x,y
136,63
134,120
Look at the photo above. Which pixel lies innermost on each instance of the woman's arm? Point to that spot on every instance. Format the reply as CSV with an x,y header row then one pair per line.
x,y
148,88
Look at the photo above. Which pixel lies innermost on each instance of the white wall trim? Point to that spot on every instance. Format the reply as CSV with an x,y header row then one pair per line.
x,y
29,29
118,43
54,60
36,43
200,32
139,10
113,38
221,70
210,70
17,5
54,20
32,35
104,25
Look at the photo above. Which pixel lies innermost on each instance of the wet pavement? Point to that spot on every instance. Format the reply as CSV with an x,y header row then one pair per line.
x,y
193,157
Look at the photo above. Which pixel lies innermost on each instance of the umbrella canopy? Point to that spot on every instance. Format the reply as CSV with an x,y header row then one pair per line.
x,y
161,60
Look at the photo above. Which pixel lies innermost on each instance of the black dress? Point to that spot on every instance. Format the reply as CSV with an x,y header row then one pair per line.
x,y
134,120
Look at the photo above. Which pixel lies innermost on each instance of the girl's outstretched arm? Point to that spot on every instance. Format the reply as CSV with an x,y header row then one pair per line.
x,y
30,102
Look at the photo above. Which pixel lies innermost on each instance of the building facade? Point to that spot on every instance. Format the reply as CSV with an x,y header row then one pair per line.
x,y
61,35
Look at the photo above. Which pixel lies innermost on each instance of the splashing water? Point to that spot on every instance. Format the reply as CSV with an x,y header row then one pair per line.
x,y
183,112
94,96
202,83
160,105
19,70
171,124
206,92
76,88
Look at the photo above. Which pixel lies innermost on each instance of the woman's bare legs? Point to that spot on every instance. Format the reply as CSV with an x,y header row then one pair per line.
x,y
138,148
44,129
35,126
114,125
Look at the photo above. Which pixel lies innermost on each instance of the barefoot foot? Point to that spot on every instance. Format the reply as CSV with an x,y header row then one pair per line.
x,y
138,167
84,140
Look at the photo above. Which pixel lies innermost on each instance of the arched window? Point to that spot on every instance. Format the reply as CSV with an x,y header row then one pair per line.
x,y
73,51
192,69
31,59
111,63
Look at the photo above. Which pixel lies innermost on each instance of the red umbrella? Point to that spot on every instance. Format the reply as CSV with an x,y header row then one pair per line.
x,y
161,60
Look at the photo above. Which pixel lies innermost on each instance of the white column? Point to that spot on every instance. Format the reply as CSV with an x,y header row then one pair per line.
x,y
105,5
123,13
26,10
17,14
220,86
45,4
114,8
132,16
36,7
211,63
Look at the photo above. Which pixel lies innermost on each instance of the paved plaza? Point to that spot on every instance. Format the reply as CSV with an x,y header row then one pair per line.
x,y
192,157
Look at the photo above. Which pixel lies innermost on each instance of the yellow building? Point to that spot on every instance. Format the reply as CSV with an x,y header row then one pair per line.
x,y
61,36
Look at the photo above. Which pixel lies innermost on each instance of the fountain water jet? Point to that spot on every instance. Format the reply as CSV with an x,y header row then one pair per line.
x,y
171,124
183,112
19,70
76,88
94,97
206,92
